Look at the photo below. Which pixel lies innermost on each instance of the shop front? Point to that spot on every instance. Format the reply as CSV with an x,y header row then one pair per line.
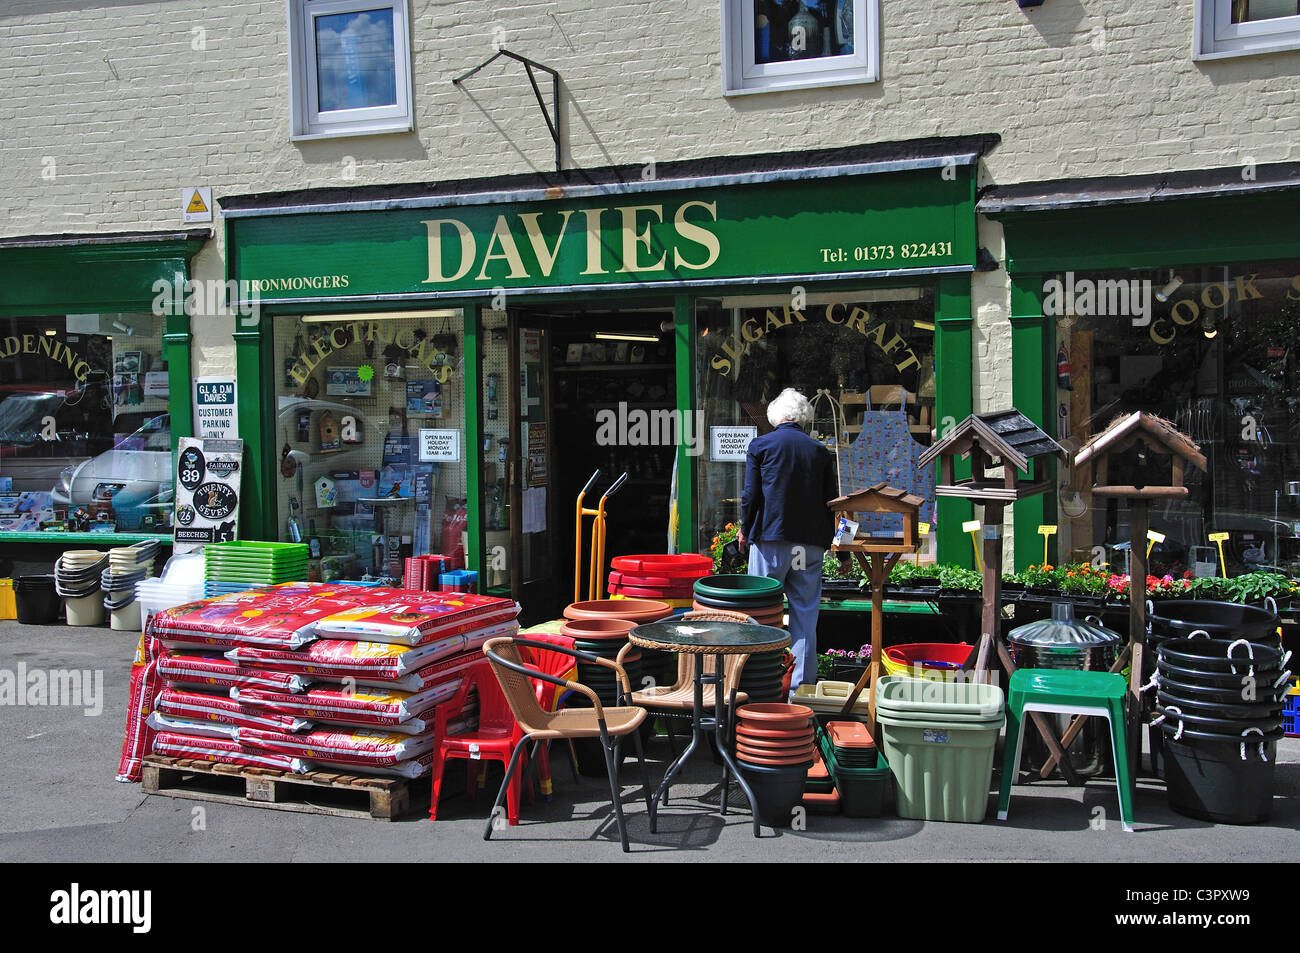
x,y
443,369
1179,298
94,387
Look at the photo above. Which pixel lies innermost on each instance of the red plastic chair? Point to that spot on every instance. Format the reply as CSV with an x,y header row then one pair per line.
x,y
493,740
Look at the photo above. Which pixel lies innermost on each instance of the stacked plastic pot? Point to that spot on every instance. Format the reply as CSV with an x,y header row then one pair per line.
x,y
127,567
181,583
1219,707
77,578
664,578
858,769
247,564
762,599
775,749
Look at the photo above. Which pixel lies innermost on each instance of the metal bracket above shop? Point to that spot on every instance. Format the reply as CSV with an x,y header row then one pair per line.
x,y
552,123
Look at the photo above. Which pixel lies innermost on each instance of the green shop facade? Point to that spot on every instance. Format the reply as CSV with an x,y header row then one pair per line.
x,y
94,388
445,368
1176,294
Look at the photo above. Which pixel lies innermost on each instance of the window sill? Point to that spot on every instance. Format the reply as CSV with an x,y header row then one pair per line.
x,y
1287,46
352,132
796,85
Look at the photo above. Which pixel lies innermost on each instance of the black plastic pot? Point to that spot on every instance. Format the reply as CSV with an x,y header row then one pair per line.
x,y
1224,726
1207,778
1181,617
1205,709
1201,694
36,600
1191,676
1219,656
777,790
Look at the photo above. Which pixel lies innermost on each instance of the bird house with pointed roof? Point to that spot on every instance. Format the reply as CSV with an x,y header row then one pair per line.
x,y
1006,439
1140,456
881,498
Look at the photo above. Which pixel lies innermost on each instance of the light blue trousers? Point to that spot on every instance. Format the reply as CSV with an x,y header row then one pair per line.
x,y
803,589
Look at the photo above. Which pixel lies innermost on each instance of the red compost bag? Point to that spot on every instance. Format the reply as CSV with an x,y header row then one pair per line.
x,y
371,664
282,616
343,706
214,671
341,747
221,751
418,617
145,683
190,726
223,710
337,659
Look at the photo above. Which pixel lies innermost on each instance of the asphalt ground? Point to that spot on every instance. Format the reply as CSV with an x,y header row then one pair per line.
x,y
61,803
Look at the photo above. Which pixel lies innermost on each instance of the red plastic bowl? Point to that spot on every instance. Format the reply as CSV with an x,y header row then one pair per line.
x,y
945,654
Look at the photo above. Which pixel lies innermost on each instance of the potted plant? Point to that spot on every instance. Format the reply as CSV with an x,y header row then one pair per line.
x,y
840,574
726,551
957,582
1044,580
1084,585
1254,588
843,665
907,575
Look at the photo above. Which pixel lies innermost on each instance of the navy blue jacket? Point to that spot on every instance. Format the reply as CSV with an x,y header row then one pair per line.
x,y
789,479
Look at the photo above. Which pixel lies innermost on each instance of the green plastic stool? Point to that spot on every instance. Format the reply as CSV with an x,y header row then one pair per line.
x,y
1068,693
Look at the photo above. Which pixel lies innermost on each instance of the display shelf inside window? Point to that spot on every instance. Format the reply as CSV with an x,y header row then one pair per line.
x,y
352,398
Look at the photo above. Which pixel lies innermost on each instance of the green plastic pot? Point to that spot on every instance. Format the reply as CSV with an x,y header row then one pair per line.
x,y
738,586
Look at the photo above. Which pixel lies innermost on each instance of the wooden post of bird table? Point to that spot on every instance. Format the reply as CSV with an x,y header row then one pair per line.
x,y
1137,624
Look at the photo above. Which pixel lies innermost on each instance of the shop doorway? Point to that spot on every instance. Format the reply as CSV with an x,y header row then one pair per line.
x,y
594,388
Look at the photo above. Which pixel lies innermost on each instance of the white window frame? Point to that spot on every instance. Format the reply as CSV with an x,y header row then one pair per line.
x,y
1215,36
741,75
307,121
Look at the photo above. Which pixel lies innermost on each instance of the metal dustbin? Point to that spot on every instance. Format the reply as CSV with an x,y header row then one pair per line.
x,y
1064,642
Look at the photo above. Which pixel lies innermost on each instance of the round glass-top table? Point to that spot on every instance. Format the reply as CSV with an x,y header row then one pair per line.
x,y
701,638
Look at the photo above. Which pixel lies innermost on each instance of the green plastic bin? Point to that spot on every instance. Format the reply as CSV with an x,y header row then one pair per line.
x,y
942,764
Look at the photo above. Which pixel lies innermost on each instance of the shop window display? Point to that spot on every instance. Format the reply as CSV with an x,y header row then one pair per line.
x,y
369,432
1212,350
866,361
85,436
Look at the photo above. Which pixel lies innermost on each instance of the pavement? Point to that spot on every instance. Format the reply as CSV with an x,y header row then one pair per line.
x,y
61,803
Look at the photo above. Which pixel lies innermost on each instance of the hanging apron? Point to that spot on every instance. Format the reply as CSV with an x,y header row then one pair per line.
x,y
886,452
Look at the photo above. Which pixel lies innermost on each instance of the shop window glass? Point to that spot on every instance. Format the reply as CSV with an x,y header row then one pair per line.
x,y
85,436
350,67
791,44
363,403
1215,355
864,358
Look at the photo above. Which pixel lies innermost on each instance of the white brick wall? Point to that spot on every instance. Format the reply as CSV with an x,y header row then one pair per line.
x,y
129,112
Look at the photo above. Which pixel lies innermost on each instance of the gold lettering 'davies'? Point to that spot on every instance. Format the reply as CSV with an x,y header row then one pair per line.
x,y
454,252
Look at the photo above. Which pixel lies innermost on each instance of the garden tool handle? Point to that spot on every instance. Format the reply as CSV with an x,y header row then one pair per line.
x,y
614,487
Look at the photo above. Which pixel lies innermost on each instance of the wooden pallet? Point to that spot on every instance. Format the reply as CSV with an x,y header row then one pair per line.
x,y
316,792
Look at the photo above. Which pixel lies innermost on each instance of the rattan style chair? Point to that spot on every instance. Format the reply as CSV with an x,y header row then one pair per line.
x,y
610,725
679,698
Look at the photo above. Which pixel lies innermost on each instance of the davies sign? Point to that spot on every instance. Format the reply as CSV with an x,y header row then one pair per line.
x,y
916,221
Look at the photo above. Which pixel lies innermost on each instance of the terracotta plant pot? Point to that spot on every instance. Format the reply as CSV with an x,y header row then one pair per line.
x,y
597,630
775,715
784,761
637,611
770,734
774,745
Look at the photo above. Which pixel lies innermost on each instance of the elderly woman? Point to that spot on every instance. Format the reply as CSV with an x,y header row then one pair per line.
x,y
789,479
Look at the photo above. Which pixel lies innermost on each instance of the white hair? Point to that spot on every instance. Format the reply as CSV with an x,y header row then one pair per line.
x,y
790,406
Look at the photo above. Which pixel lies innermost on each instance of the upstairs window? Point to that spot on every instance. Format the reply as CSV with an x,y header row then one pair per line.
x,y
350,67
770,45
1242,27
